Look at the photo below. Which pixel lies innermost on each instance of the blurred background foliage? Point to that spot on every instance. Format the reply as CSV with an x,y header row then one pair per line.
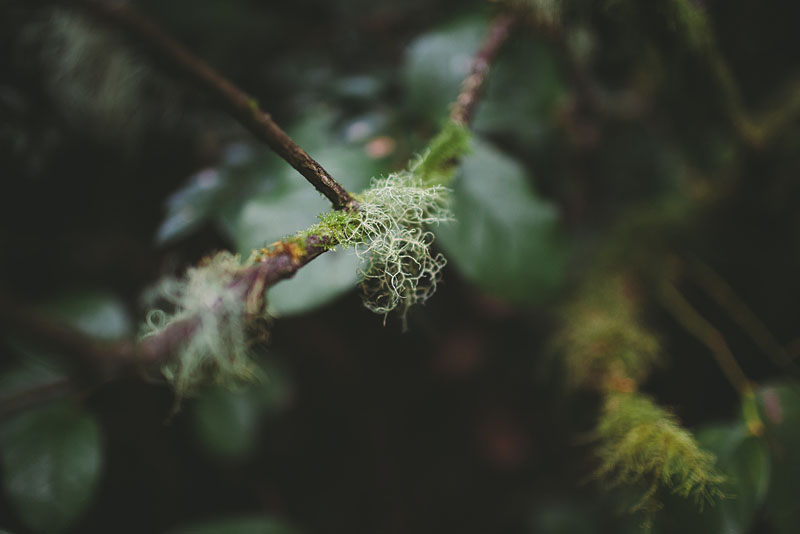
x,y
634,135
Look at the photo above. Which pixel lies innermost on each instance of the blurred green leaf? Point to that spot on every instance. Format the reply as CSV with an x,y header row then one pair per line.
x,y
239,525
781,409
217,193
227,422
33,368
505,238
437,63
95,313
189,207
52,459
523,94
318,283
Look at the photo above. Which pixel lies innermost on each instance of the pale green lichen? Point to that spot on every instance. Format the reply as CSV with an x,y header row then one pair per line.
x,y
642,443
390,236
398,269
389,232
217,351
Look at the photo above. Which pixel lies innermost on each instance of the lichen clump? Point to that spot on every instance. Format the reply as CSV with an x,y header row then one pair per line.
x,y
390,235
390,232
398,269
603,341
640,442
217,349
607,348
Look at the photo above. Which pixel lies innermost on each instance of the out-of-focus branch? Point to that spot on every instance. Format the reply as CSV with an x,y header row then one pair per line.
x,y
464,107
724,295
242,106
756,129
706,333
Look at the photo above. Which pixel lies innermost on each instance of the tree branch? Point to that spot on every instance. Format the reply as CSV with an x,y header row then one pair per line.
x,y
464,107
706,333
238,103
103,361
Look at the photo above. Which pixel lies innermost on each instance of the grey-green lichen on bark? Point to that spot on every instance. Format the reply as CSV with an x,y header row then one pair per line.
x,y
216,302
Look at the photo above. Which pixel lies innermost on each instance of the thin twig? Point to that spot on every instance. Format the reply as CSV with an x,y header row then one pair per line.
x,y
238,103
699,327
464,107
754,128
722,293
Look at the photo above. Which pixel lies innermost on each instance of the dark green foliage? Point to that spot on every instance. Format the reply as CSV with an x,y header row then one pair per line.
x,y
780,406
52,461
505,238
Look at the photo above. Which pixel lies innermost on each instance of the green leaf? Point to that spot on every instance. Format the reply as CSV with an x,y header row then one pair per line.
x,y
216,193
505,238
52,459
239,525
322,281
744,460
227,422
780,406
523,93
437,63
95,313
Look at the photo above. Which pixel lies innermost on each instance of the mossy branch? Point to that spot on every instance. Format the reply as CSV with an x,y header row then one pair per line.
x,y
225,293
606,348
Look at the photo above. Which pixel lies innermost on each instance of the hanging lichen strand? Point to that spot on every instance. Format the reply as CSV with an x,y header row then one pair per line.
x,y
213,309
217,301
606,348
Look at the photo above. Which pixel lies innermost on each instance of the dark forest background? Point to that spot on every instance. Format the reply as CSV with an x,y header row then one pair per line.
x,y
615,141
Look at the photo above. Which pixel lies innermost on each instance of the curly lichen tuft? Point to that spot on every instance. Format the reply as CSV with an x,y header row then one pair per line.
x,y
642,443
389,232
398,268
217,351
